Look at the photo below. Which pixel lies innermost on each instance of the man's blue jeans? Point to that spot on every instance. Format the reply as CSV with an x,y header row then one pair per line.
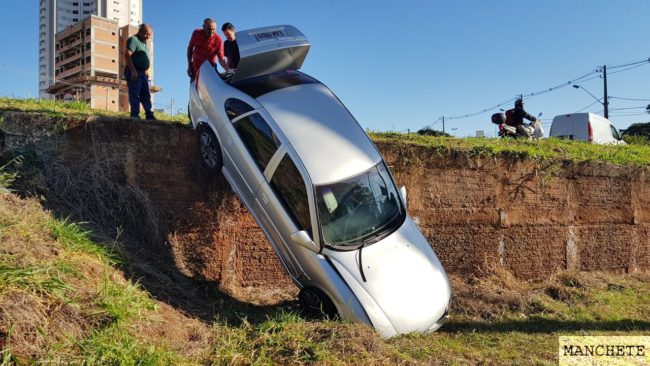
x,y
139,93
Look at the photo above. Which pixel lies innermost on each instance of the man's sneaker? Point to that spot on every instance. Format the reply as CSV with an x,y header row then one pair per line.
x,y
135,118
151,118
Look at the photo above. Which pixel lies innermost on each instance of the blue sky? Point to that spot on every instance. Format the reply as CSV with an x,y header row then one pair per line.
x,y
402,64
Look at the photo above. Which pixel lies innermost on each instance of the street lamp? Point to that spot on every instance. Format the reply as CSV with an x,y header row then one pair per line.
x,y
605,103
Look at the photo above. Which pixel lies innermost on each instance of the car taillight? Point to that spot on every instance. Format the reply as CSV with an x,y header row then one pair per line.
x,y
591,133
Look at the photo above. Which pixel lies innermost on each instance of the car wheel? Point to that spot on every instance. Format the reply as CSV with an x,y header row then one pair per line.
x,y
315,303
209,149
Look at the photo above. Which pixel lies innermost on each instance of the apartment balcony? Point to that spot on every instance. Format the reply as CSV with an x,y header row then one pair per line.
x,y
74,71
68,46
72,57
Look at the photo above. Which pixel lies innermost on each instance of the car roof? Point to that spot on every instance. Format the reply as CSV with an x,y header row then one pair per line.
x,y
328,140
582,117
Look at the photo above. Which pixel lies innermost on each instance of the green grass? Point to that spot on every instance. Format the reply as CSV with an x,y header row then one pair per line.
x,y
550,149
50,107
54,264
75,238
46,279
637,152
114,346
76,108
636,140
616,306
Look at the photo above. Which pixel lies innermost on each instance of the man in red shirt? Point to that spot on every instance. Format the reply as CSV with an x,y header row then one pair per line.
x,y
205,44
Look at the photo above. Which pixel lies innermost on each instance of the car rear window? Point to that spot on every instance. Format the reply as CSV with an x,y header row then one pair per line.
x,y
235,107
260,85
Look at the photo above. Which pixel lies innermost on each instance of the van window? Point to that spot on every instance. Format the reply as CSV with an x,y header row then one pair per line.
x,y
288,185
235,107
260,141
615,133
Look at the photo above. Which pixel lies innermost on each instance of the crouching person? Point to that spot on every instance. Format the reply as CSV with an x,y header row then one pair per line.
x,y
136,72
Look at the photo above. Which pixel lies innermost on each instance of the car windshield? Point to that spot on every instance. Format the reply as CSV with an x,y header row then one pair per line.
x,y
359,210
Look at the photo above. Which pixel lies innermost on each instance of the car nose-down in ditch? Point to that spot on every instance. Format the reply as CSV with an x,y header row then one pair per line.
x,y
318,187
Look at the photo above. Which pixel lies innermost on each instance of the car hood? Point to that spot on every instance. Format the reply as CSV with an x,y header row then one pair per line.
x,y
404,278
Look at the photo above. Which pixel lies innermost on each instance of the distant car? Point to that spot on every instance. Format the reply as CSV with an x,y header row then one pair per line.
x,y
585,127
318,188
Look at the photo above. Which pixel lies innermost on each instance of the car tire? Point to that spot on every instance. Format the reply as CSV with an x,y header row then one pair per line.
x,y
209,149
314,302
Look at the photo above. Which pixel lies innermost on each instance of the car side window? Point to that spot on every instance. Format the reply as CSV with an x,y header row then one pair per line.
x,y
615,133
288,185
259,139
235,107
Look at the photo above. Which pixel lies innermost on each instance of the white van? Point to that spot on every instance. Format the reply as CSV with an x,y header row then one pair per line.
x,y
585,127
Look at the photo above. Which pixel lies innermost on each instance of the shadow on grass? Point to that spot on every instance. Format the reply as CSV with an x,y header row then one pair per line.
x,y
86,179
540,325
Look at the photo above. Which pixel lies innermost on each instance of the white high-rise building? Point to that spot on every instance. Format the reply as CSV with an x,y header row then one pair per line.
x,y
56,15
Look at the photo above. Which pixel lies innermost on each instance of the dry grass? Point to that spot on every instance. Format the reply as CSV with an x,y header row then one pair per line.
x,y
58,294
92,191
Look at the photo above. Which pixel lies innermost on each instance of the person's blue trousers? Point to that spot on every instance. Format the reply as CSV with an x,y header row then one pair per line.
x,y
139,93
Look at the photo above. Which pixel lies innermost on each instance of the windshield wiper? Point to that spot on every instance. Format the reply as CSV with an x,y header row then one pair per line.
x,y
360,248
384,231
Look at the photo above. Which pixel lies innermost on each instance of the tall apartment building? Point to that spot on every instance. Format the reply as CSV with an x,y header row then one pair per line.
x,y
56,15
89,63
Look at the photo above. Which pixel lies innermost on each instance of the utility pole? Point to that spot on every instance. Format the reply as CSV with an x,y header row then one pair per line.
x,y
443,124
606,99
171,106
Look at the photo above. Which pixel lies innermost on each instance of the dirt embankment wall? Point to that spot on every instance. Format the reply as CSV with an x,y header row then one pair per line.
x,y
530,217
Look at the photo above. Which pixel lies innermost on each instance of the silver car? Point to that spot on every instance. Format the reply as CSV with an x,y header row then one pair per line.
x,y
318,187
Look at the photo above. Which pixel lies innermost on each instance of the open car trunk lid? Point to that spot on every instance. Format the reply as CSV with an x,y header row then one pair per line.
x,y
269,49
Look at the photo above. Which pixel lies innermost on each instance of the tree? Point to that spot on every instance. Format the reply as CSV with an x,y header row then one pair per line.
x,y
428,131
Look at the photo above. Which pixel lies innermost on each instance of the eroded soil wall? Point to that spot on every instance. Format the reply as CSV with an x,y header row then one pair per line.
x,y
530,217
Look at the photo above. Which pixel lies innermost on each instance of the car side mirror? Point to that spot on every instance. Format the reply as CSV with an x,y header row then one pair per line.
x,y
303,239
402,192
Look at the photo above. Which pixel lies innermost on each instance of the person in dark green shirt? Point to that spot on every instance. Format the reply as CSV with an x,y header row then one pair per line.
x,y
136,72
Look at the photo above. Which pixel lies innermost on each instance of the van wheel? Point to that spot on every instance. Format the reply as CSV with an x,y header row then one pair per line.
x,y
209,149
315,303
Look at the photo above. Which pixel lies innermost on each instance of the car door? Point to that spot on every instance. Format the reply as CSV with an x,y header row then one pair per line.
x,y
250,143
284,203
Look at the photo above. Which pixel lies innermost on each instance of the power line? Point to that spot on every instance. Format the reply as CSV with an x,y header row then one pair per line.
x,y
629,68
580,110
629,114
647,60
536,93
628,108
633,99
586,77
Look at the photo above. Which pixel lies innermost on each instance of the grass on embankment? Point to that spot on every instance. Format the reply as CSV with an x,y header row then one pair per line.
x,y
544,149
76,108
635,153
60,298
